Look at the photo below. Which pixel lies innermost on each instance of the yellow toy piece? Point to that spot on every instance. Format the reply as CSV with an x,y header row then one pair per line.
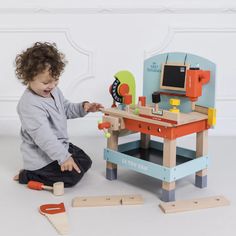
x,y
211,116
174,102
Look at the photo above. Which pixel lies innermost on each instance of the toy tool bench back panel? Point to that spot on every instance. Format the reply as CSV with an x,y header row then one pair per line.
x,y
152,77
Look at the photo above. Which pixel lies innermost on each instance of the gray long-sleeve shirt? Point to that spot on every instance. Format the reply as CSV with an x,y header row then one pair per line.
x,y
44,127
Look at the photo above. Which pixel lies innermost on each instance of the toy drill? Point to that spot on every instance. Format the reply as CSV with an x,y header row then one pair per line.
x,y
196,78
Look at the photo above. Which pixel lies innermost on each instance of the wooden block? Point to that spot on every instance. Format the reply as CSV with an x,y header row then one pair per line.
x,y
96,201
168,185
201,109
146,110
211,116
122,123
194,204
202,172
111,165
114,121
58,188
171,115
131,199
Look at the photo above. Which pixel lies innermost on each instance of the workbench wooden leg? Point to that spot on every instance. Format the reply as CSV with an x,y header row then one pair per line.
x,y
145,140
112,143
169,160
201,150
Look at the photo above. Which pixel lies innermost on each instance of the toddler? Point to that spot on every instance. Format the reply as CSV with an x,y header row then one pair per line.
x,y
48,156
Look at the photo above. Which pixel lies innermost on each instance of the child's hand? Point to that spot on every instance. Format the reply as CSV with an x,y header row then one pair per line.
x,y
69,164
92,107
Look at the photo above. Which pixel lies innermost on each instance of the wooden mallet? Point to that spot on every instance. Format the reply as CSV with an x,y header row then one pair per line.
x,y
57,188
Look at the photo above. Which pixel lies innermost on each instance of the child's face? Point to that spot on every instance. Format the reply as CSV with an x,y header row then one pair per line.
x,y
43,83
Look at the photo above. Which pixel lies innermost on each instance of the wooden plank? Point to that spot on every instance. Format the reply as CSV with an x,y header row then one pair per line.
x,y
114,121
115,200
184,118
194,204
201,109
131,200
95,201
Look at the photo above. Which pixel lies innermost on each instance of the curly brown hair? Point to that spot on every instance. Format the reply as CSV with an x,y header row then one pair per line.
x,y
37,59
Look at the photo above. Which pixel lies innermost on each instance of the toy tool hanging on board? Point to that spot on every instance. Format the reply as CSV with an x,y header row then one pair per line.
x,y
123,86
188,81
57,216
196,78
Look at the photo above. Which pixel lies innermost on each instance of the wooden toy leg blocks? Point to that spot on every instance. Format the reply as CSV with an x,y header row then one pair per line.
x,y
107,201
169,160
201,150
112,143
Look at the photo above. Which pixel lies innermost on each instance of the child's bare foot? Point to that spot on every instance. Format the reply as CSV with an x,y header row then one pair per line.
x,y
16,177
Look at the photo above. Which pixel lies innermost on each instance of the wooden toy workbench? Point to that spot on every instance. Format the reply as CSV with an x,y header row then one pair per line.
x,y
163,160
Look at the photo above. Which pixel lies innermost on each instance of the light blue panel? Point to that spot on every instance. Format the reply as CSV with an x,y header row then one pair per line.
x,y
141,166
155,170
129,146
179,151
188,168
152,75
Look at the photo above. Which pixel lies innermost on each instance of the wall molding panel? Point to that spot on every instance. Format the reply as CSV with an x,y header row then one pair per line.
x,y
100,38
88,55
66,33
173,31
106,9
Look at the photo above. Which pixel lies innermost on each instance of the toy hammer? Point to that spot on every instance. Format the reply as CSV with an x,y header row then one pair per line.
x,y
58,187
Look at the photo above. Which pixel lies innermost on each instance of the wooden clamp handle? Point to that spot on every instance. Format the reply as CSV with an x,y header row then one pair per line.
x,y
104,125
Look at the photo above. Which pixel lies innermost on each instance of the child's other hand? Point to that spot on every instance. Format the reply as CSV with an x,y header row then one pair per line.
x,y
92,107
69,165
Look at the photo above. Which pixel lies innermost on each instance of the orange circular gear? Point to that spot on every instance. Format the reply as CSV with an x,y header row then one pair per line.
x,y
123,89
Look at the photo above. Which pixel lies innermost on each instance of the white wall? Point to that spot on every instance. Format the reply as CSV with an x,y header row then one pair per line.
x,y
100,38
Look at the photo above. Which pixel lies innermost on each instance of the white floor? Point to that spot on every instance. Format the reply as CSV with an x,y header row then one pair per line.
x,y
19,205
